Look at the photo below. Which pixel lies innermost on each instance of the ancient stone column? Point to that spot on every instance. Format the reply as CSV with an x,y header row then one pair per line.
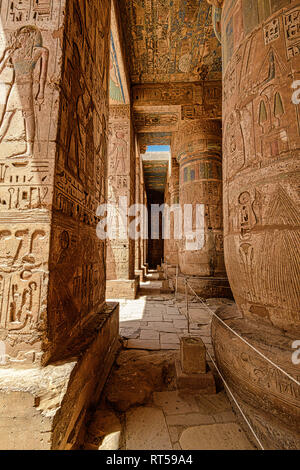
x,y
261,125
121,280
139,271
56,334
197,146
174,200
167,200
144,242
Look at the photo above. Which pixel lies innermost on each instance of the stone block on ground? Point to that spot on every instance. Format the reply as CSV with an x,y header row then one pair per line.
x,y
136,375
192,355
200,383
215,437
45,408
146,428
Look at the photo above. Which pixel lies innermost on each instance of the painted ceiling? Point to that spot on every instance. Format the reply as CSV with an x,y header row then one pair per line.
x,y
155,165
170,41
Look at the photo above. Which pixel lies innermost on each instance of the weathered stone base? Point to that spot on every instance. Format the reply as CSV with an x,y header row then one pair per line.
x,y
269,399
146,267
165,288
170,270
202,383
44,408
141,274
122,288
206,287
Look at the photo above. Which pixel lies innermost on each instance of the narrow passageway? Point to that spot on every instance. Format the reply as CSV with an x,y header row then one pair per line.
x,y
142,407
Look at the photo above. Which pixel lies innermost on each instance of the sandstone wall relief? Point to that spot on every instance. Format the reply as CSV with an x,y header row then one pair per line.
x,y
77,259
261,143
53,137
121,183
29,67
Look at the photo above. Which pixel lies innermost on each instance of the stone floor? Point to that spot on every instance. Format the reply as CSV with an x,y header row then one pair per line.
x,y
156,321
161,418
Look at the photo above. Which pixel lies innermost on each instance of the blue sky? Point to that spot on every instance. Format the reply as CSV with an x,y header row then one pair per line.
x,y
158,148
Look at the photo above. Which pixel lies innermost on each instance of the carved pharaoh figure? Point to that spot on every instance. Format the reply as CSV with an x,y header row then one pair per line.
x,y
119,152
22,57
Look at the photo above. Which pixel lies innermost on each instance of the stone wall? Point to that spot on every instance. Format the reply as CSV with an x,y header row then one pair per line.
x,y
121,183
77,259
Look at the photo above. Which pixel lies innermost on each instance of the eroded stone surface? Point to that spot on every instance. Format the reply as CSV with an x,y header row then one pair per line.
x,y
215,437
146,429
136,376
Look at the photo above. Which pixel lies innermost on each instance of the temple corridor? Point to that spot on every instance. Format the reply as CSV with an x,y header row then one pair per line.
x,y
149,225
141,407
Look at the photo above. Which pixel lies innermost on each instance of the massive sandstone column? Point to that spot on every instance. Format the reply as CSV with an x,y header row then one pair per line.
x,y
197,146
53,115
121,279
172,199
139,271
261,125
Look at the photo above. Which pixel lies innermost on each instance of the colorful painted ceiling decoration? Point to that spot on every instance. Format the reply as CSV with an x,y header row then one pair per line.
x,y
170,41
116,90
118,80
155,166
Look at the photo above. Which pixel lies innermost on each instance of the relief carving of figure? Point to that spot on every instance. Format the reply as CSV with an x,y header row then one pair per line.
x,y
119,152
22,57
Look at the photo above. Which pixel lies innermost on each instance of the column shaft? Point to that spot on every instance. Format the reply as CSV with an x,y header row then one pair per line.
x,y
197,146
121,281
261,124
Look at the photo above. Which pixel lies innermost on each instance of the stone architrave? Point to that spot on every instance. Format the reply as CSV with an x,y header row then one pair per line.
x,y
261,126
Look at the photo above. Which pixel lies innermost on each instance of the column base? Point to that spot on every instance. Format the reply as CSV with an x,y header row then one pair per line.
x,y
141,274
166,287
146,266
269,399
202,383
44,408
122,288
206,287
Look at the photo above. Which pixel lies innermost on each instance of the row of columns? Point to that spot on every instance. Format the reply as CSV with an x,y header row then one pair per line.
x,y
195,180
126,257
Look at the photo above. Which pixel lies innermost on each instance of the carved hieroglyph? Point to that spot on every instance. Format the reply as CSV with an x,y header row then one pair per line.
x,y
28,127
53,115
261,149
261,142
170,40
197,147
172,198
121,183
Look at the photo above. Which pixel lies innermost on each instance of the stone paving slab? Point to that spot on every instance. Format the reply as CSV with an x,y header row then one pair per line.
x,y
228,436
172,403
148,344
167,346
146,428
149,334
169,338
189,419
